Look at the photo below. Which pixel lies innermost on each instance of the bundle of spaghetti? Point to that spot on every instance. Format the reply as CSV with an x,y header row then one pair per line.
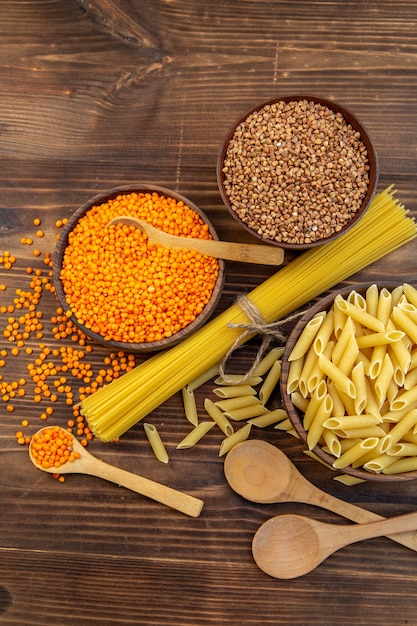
x,y
115,408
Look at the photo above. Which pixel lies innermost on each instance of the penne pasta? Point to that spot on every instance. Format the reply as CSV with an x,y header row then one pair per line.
x,y
407,464
348,457
403,449
379,463
294,372
157,445
340,379
190,407
203,378
351,421
359,380
307,337
267,419
349,356
267,362
246,412
285,424
410,293
404,321
317,425
229,442
234,379
313,406
383,379
406,423
346,334
218,417
234,390
299,401
324,333
332,442
372,299
270,382
348,480
195,435
384,306
359,315
230,404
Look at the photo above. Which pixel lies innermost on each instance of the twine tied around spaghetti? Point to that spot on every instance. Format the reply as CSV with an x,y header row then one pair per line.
x,y
255,326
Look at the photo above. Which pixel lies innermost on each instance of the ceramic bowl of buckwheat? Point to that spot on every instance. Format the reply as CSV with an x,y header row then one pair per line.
x,y
297,171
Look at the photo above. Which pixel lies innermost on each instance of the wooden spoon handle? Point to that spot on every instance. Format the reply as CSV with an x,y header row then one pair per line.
x,y
232,251
160,493
361,516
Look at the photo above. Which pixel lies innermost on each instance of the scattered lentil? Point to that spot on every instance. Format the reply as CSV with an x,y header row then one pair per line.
x,y
295,172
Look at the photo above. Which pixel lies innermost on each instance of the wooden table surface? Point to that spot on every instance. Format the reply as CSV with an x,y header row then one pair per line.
x,y
100,93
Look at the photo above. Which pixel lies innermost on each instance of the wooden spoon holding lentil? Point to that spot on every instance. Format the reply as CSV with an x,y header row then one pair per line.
x,y
247,253
54,450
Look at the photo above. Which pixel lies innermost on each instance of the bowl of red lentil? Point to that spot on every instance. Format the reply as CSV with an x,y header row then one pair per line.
x,y
297,171
122,290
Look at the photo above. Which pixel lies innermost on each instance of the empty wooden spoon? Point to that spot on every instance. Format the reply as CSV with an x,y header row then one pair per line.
x,y
287,546
232,251
88,464
260,472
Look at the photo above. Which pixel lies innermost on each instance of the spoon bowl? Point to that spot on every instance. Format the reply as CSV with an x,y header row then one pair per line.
x,y
232,251
288,546
261,472
89,464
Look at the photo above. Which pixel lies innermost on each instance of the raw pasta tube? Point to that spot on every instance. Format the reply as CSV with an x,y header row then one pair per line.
x,y
203,378
402,427
234,379
403,449
156,443
307,337
379,339
408,464
406,399
190,407
218,417
332,442
383,379
230,404
229,442
372,298
316,398
361,316
316,429
410,293
348,457
270,382
195,435
349,356
384,306
267,419
294,372
246,412
359,380
347,332
324,333
351,421
267,362
405,322
379,463
234,390
340,379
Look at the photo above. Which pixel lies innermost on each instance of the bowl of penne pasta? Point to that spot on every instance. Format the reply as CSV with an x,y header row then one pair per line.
x,y
297,171
349,381
121,289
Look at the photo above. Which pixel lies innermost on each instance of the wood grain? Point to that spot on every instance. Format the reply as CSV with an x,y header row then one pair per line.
x,y
99,93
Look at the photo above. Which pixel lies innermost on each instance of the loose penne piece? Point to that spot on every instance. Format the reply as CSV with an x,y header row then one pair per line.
x,y
190,406
203,378
195,435
156,442
218,417
234,379
348,480
267,362
230,404
270,382
234,390
246,412
285,424
229,442
267,419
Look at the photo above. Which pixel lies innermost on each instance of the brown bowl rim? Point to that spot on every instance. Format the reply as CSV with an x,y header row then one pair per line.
x,y
62,242
295,415
352,120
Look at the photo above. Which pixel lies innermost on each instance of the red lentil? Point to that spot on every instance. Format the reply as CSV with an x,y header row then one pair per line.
x,y
52,447
127,290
